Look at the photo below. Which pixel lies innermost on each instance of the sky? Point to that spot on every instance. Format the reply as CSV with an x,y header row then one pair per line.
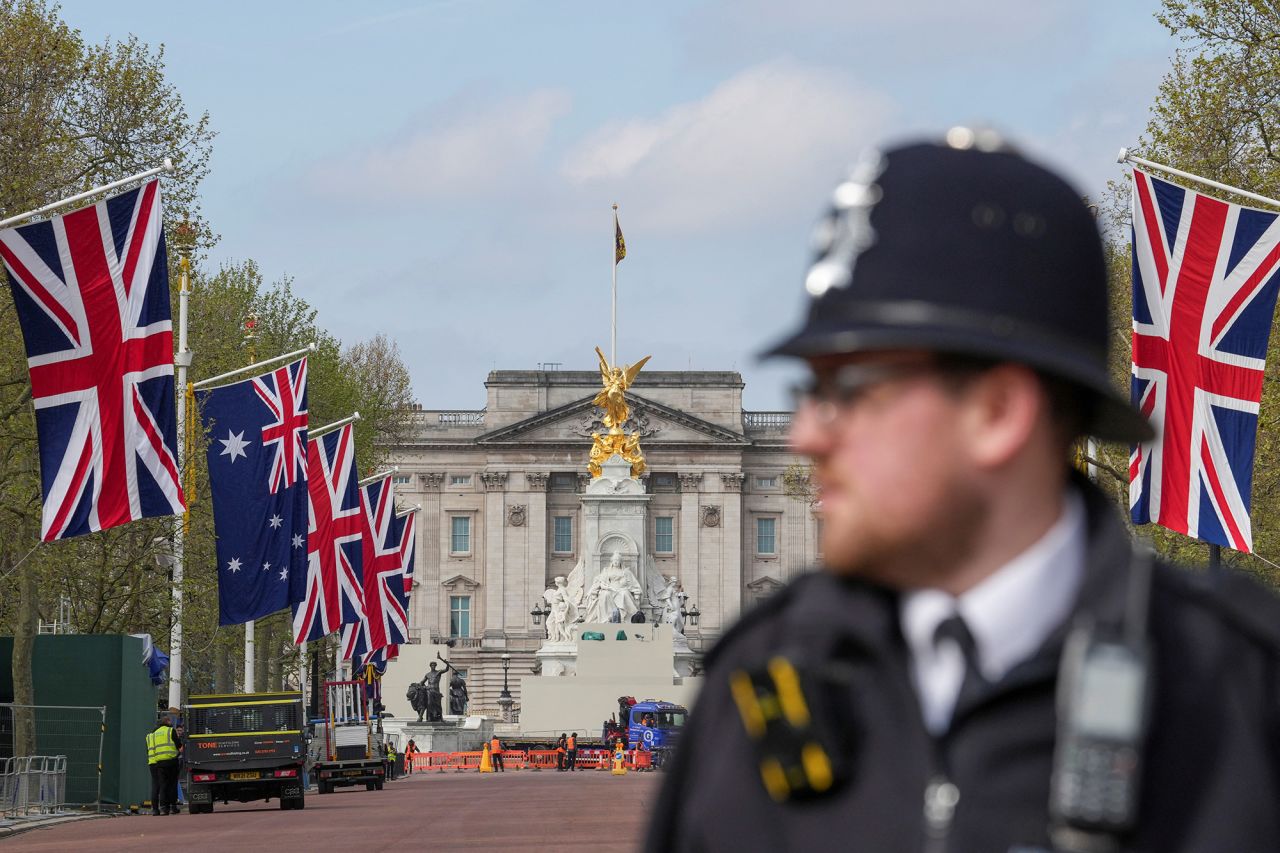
x,y
443,172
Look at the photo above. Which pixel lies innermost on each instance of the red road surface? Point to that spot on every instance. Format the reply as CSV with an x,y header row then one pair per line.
x,y
518,810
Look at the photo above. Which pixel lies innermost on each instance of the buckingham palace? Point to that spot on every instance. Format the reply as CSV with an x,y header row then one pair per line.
x,y
501,512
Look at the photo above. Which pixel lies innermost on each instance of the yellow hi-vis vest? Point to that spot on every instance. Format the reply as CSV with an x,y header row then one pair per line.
x,y
160,746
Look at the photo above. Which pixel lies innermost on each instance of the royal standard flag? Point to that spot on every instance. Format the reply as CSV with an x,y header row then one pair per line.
x,y
619,244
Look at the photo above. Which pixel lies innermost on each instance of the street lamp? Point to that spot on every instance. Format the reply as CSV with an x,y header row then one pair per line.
x,y
504,698
537,612
693,616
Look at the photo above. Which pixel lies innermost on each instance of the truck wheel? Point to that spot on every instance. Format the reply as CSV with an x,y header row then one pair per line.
x,y
370,786
324,787
201,808
377,786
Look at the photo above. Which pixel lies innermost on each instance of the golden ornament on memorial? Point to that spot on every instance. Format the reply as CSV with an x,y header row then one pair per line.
x,y
613,400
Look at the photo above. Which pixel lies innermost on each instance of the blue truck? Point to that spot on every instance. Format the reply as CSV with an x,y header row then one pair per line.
x,y
655,725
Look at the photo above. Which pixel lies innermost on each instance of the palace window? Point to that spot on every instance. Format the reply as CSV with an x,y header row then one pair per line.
x,y
562,541
662,483
766,482
564,482
401,479
767,536
460,534
459,616
459,479
664,534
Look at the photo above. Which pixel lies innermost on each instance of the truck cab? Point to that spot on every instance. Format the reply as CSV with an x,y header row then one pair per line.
x,y
244,747
655,725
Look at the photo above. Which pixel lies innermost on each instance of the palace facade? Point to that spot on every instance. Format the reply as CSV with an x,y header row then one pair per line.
x,y
501,516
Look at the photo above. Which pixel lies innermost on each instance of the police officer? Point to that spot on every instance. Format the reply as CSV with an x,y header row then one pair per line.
x,y
915,694
162,761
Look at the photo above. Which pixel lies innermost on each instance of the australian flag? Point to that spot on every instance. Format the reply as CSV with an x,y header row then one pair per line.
x,y
258,478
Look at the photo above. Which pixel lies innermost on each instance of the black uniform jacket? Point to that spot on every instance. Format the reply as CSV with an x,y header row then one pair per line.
x,y
1212,775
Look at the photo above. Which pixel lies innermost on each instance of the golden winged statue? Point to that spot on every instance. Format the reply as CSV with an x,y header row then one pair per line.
x,y
612,398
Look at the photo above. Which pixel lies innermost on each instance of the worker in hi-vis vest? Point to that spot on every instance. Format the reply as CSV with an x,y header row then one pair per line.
x,y
495,754
162,760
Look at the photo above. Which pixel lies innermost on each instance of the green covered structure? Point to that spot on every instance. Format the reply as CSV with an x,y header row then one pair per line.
x,y
89,670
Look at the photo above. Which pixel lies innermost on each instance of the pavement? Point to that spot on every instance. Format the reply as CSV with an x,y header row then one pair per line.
x,y
547,810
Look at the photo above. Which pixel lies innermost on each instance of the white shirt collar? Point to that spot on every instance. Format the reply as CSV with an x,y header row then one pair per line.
x,y
1010,613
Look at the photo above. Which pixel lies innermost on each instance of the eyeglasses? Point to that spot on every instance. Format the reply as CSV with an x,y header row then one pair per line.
x,y
826,397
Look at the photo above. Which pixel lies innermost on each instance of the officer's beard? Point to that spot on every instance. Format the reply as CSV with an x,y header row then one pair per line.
x,y
924,554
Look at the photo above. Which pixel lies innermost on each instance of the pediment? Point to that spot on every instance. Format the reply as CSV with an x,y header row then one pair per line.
x,y
766,585
459,582
574,422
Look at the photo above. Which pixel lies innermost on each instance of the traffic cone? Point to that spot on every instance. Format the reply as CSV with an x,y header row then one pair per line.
x,y
486,763
619,763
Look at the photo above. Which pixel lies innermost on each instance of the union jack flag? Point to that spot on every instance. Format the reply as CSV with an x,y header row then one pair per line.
x,y
1204,292
385,619
91,290
336,528
286,398
405,529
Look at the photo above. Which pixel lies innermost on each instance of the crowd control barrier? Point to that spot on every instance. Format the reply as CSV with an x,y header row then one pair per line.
x,y
534,759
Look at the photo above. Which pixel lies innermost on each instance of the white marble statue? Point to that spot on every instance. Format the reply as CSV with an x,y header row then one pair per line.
x,y
614,588
664,593
564,610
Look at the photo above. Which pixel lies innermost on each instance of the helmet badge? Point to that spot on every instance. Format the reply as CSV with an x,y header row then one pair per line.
x,y
846,231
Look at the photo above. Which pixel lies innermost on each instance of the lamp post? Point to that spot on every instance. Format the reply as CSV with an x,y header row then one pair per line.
x,y
504,698
538,612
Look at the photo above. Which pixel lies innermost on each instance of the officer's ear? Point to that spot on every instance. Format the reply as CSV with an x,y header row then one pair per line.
x,y
1004,412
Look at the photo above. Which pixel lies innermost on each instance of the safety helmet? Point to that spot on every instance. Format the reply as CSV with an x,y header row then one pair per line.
x,y
965,247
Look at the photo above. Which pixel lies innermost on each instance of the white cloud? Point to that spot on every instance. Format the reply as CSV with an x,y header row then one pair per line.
x,y
767,138
449,154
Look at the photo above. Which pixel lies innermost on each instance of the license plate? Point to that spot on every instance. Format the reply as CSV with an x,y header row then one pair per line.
x,y
353,773
247,774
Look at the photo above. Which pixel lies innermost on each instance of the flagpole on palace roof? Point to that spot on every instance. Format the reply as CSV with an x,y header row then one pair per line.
x,y
613,318
167,166
1126,157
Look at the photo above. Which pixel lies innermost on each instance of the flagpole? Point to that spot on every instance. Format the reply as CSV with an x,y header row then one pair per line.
x,y
205,383
167,166
613,321
1126,157
250,628
327,428
182,360
381,475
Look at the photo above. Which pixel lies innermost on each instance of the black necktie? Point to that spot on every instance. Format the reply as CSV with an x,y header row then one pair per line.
x,y
974,684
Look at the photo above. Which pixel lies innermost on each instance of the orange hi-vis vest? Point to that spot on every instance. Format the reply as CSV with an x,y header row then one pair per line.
x,y
495,746
572,743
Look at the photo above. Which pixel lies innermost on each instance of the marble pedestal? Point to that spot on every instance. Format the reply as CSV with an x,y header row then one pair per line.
x,y
558,659
454,734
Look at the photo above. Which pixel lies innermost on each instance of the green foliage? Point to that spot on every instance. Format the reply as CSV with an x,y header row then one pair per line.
x,y
72,116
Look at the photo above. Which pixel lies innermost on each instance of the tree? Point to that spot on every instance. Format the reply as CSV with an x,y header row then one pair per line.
x,y
72,115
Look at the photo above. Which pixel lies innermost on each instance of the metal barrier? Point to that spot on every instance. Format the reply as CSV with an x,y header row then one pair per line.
x,y
34,783
68,767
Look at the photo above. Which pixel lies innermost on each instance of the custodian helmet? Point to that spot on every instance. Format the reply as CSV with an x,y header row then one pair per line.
x,y
966,247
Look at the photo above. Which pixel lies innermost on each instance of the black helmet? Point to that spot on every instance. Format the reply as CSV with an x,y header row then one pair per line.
x,y
966,247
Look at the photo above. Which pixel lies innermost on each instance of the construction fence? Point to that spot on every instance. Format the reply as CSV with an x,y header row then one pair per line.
x,y
65,772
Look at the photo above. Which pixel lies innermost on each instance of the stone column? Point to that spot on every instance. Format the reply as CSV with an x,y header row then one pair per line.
x,y
535,580
731,567
426,597
690,536
495,484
